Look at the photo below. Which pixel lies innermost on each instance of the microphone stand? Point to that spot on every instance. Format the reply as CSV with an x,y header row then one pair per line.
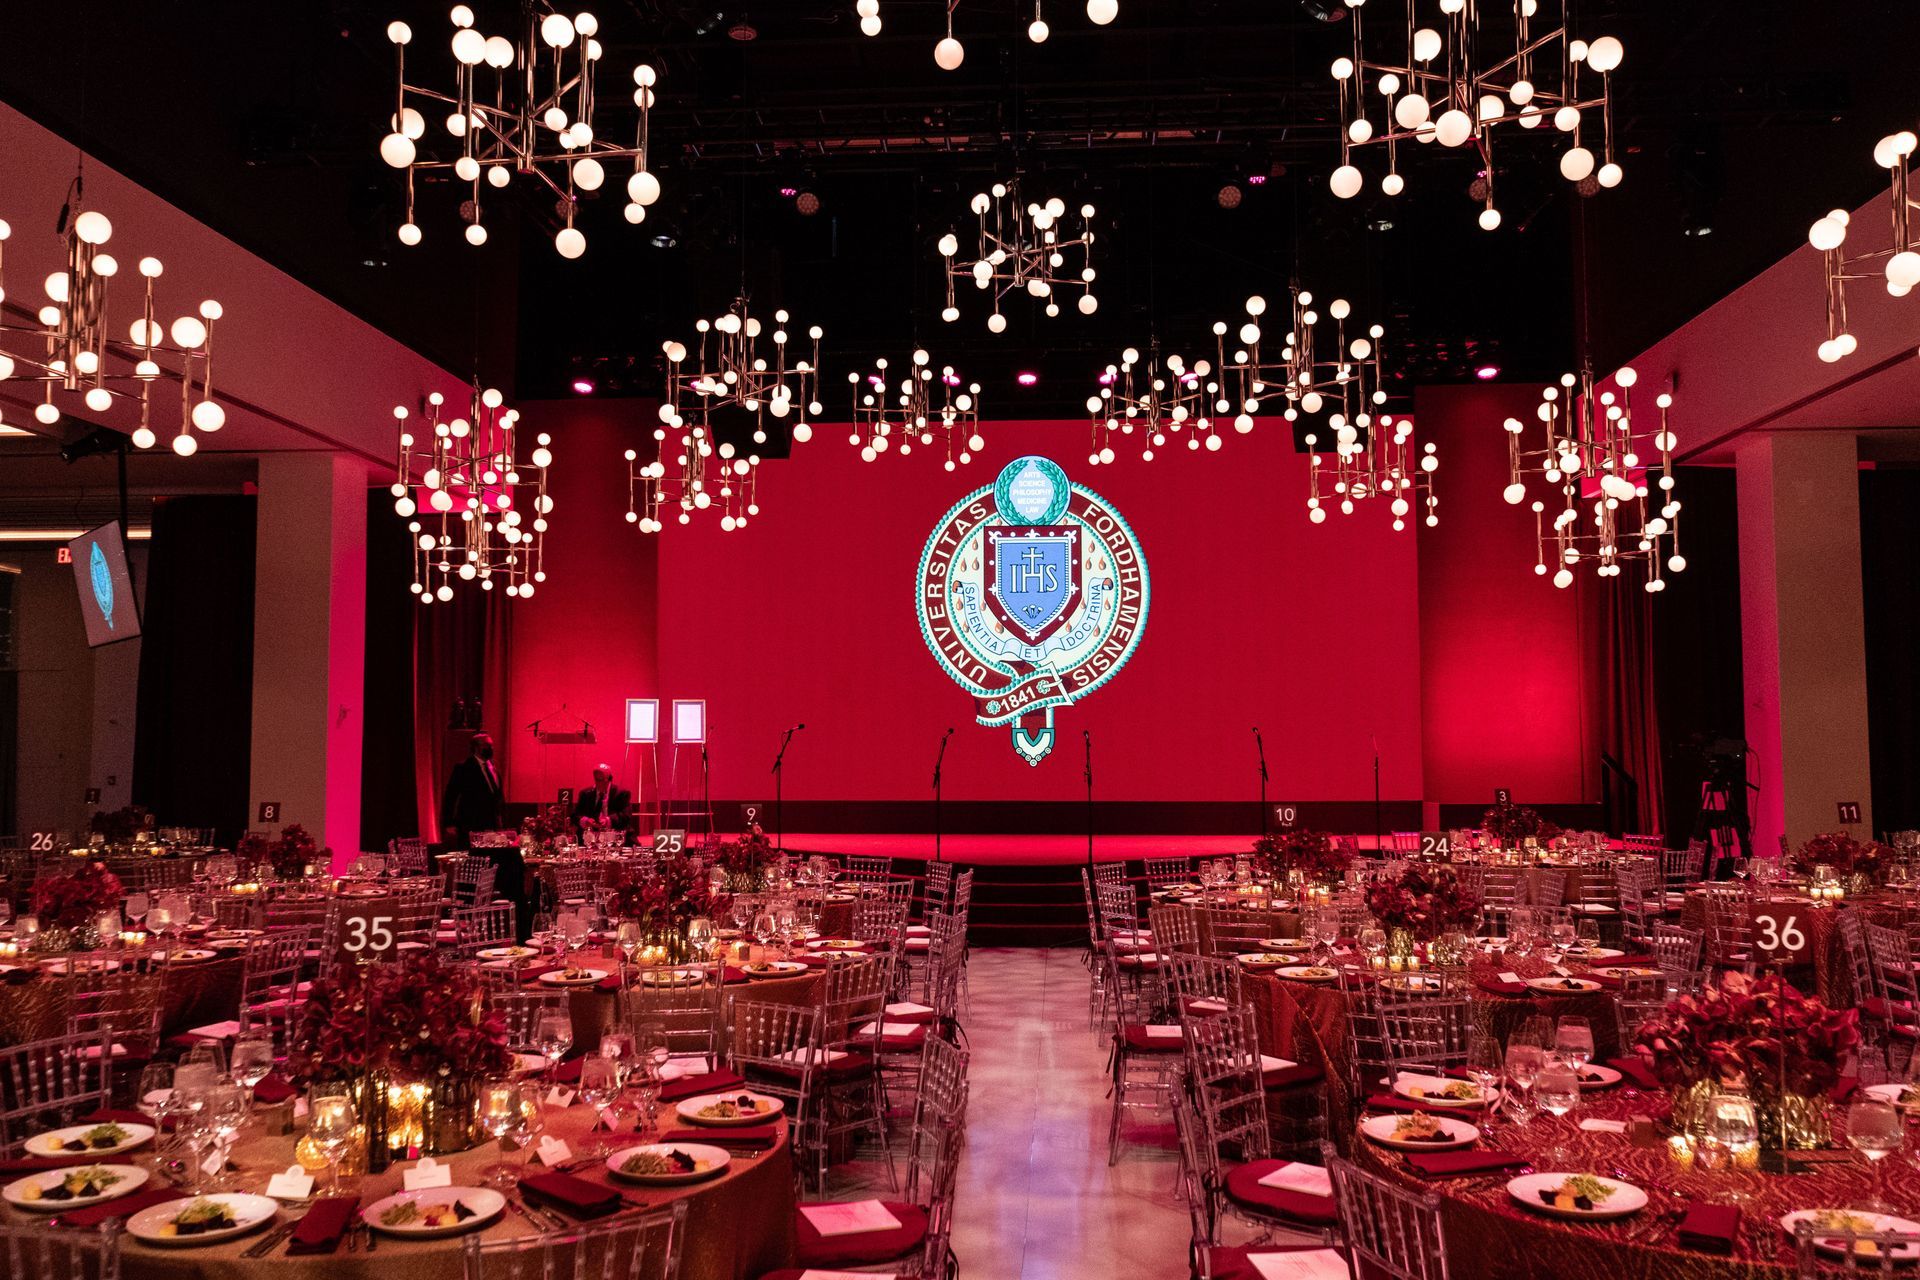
x,y
779,822
1261,747
706,793
1086,736
937,762
1376,797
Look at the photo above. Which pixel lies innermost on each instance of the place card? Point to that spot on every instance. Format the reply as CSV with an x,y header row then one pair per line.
x,y
1303,1264
295,1184
906,1009
1163,1031
1511,977
214,1164
894,1030
1307,1179
553,1152
1603,1126
560,1096
1270,1063
216,1031
428,1173
811,1057
849,1218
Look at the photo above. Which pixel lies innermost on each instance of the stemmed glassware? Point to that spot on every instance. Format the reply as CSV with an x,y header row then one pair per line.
x,y
1484,1064
1523,1063
654,1052
600,1089
1734,1128
155,1098
136,908
1556,1091
510,1112
553,1032
223,1116
330,1123
1573,1040
1875,1130
252,1060
628,937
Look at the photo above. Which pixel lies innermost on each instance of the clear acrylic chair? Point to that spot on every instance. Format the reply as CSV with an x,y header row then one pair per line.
x,y
48,1083
1199,986
1428,1036
1174,928
1143,1059
521,1011
1822,1253
479,927
779,1049
1389,1230
1162,872
30,1251
648,1247
938,891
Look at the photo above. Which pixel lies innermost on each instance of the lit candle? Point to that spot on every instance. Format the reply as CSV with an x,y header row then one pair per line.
x,y
1681,1149
1394,963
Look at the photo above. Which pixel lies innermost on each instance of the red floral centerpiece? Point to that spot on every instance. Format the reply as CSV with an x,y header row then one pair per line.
x,y
1312,853
678,890
746,859
119,826
1760,1034
418,1032
1422,901
1866,860
74,900
548,829
1512,823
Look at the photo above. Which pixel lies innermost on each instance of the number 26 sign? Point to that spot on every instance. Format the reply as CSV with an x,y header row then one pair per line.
x,y
1777,934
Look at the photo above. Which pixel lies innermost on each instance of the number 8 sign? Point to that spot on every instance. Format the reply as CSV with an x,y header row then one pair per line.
x,y
1778,934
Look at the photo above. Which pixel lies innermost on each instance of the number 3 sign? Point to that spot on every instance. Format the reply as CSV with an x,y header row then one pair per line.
x,y
1778,934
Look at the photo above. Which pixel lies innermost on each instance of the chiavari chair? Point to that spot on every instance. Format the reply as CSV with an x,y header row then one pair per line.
x,y
271,990
1203,985
1681,953
868,870
1680,869
1173,928
1640,997
1501,890
1827,1252
778,1049
1162,872
1389,1230
648,1247
126,1004
1549,888
407,856
1143,1052
853,1003
1893,977
29,1251
478,927
1234,931
1425,1035
48,1083
1404,842
1729,926
1094,957
690,1013
520,1010
938,891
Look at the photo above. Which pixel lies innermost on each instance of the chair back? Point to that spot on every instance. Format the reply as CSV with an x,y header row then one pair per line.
x,y
521,1011
478,927
963,892
1853,940
868,870
407,856
1428,1035
1679,951
48,1083
1203,985
1641,996
28,1251
1893,976
648,1247
126,1004
1234,931
1392,1230
1162,872
938,892
689,1014
1549,888
1174,928
1223,1073
1109,873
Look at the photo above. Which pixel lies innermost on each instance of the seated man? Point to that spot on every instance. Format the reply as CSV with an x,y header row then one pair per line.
x,y
603,807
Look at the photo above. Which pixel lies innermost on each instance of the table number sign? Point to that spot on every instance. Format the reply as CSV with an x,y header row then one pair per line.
x,y
750,815
1849,812
367,932
670,840
1777,931
41,842
1503,795
1436,844
1286,816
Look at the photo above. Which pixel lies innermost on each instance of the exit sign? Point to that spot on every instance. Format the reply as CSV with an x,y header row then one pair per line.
x,y
63,554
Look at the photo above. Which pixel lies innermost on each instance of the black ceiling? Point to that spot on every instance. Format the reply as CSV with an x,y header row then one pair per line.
x,y
1746,120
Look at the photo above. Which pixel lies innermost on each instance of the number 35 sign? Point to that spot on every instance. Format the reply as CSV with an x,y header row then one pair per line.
x,y
1777,934
367,933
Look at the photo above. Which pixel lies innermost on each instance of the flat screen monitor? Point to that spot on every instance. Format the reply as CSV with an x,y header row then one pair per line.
x,y
106,588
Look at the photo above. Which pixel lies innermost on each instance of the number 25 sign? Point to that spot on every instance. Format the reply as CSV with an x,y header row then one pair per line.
x,y
1778,934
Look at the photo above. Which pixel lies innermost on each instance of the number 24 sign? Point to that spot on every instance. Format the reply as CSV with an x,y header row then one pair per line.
x,y
1778,934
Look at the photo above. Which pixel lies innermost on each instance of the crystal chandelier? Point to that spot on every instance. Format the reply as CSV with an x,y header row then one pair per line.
x,y
1020,249
1452,85
1156,400
908,414
533,115
1343,380
1367,467
1901,266
480,491
949,53
75,354
1593,457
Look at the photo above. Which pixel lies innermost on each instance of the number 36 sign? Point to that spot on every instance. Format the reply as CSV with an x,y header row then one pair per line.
x,y
1778,933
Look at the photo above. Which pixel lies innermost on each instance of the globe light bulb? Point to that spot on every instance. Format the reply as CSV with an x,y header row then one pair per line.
x,y
409,234
571,242
1101,12
185,445
949,54
1345,182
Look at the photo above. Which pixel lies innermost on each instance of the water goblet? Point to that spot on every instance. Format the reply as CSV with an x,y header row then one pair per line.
x,y
600,1089
1523,1063
1875,1130
553,1032
252,1060
1573,1040
1556,1091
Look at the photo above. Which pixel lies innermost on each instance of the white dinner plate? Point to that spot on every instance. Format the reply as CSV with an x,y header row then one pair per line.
x,y
1626,1197
713,1159
558,978
1265,960
768,1108
1890,1093
51,1143
486,1203
1595,953
1626,971
674,977
1563,986
774,969
1404,1086
1459,1134
837,944
189,956
131,1178
1308,973
1287,944
506,953
526,1064
61,965
148,1226
1410,983
1876,1221
1608,1076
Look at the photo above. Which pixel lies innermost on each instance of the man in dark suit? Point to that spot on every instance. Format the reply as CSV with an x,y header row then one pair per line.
x,y
473,802
603,806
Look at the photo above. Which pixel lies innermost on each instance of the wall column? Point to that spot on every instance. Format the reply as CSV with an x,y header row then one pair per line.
x,y
309,644
1802,632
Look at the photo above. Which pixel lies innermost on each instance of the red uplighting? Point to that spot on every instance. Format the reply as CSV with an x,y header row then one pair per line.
x,y
583,386
789,192
1027,378
1256,179
1487,372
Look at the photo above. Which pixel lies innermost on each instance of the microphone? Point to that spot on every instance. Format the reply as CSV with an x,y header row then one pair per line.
x,y
797,728
949,732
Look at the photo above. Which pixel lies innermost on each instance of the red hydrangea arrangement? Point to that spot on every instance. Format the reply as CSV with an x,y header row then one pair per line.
x,y
747,856
72,900
1426,901
417,1020
295,851
549,827
1746,1031
1511,823
1312,853
1847,856
119,826
676,892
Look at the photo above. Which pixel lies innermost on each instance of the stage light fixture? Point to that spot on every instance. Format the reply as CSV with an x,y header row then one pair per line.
x,y
1487,372
1158,400
1229,196
1020,249
583,386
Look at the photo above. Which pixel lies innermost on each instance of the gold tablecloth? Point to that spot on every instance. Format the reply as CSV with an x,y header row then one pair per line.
x,y
1490,1236
593,1009
738,1225
196,994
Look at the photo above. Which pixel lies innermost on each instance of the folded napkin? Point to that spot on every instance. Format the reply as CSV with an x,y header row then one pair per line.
x,y
1447,1164
849,1218
1306,1179
112,1115
40,1164
609,983
273,1089
567,1072
759,1137
1636,1071
1494,986
532,972
729,973
813,1249
1711,1228
694,1086
572,1195
326,1221
124,1207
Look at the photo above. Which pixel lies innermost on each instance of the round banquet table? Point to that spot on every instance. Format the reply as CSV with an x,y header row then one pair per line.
x,y
1306,1022
836,912
1821,970
196,993
738,1225
1490,1235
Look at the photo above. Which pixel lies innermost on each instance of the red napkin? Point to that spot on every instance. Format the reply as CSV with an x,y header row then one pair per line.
x,y
1391,1102
124,1207
326,1221
39,1164
532,973
609,983
1496,987
576,1196
273,1089
108,1115
1635,1070
760,1137
1711,1228
730,974
1843,1088
1446,1164
811,1249
694,1086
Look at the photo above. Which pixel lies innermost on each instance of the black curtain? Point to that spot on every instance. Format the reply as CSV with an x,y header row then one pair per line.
x,y
387,792
193,738
1696,641
1889,538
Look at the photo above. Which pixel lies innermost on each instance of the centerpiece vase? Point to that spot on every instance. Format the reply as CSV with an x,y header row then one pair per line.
x,y
1400,942
1787,1121
672,944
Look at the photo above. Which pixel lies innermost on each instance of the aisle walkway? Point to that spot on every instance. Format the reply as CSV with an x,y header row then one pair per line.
x,y
1037,1200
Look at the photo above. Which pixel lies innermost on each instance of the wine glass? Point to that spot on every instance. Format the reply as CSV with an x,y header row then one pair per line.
x,y
1556,1091
553,1032
1326,930
159,920
501,1114
1373,941
763,929
1734,1128
330,1123
1523,1064
654,1053
211,1054
251,1060
136,908
627,937
1587,931
700,937
224,1114
1563,936
1573,1040
1483,1067
1875,1130
600,1089
191,1096
154,1097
